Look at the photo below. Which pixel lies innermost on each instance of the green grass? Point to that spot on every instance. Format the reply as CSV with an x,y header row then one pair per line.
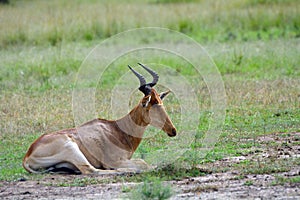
x,y
248,183
151,188
14,151
255,45
61,21
281,180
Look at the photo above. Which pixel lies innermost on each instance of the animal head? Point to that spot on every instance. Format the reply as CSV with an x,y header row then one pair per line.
x,y
151,104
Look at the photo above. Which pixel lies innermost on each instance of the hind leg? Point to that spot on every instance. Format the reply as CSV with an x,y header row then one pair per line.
x,y
55,150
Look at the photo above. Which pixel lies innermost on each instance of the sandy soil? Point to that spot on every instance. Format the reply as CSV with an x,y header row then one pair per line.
x,y
227,185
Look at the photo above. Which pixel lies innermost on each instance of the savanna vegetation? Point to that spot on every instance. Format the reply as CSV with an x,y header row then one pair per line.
x,y
254,43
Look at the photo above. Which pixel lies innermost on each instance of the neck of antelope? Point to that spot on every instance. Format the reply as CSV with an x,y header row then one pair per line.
x,y
133,125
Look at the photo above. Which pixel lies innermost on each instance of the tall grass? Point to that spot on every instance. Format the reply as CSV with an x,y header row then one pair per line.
x,y
52,22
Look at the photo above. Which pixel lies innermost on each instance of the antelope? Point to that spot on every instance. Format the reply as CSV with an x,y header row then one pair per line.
x,y
103,146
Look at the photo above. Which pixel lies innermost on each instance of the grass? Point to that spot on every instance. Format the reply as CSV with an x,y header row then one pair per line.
x,y
151,188
11,165
255,45
248,183
281,180
61,22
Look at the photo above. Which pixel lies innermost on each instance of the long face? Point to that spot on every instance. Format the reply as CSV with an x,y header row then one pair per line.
x,y
154,112
157,114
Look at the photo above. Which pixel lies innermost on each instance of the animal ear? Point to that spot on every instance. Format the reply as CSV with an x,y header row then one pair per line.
x,y
164,94
146,100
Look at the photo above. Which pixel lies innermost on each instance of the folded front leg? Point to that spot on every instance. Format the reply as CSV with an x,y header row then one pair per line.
x,y
134,165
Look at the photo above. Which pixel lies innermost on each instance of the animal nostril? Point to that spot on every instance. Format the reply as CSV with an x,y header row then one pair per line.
x,y
174,131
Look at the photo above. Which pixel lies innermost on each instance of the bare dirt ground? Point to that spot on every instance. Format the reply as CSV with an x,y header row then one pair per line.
x,y
227,185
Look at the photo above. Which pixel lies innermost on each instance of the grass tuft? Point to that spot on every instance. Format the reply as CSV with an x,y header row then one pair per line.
x,y
151,188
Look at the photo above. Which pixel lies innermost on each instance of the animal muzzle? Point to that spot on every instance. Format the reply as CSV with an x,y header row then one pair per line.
x,y
171,131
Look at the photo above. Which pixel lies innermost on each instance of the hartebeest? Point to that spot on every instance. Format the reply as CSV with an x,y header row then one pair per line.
x,y
102,146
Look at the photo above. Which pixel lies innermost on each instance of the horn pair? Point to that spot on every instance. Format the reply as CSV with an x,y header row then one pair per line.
x,y
145,87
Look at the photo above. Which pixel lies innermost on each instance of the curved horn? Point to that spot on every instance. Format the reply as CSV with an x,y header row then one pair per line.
x,y
140,77
153,73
